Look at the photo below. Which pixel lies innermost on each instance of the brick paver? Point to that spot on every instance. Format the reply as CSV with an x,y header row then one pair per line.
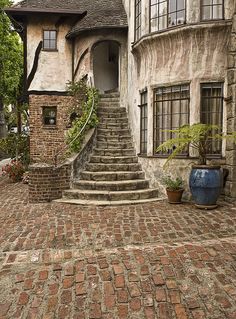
x,y
143,261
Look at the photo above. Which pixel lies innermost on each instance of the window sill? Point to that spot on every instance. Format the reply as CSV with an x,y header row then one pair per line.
x,y
48,50
187,157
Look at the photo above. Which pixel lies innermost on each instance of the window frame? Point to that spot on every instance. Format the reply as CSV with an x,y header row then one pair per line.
x,y
155,112
221,97
50,49
145,129
136,19
44,109
167,15
212,5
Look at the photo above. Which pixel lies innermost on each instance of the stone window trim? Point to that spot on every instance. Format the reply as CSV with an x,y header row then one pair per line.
x,y
137,19
47,35
49,121
167,116
143,106
211,6
166,16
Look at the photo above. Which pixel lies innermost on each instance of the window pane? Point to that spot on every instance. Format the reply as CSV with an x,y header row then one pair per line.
x,y
53,35
171,110
46,35
46,44
212,111
180,4
217,12
143,123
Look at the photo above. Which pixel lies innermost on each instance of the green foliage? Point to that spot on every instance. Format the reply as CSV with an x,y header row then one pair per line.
x,y
16,146
74,138
173,184
198,136
14,170
11,59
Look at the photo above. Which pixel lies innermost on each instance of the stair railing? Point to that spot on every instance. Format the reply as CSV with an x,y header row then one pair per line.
x,y
80,132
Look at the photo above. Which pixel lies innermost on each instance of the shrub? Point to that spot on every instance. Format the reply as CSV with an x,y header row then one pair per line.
x,y
16,146
73,138
14,170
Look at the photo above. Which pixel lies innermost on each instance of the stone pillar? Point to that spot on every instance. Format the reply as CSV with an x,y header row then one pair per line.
x,y
230,190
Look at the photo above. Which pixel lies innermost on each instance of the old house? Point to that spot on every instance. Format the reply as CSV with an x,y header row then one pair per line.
x,y
171,62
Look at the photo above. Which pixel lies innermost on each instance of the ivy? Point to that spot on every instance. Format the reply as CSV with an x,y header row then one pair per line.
x,y
73,139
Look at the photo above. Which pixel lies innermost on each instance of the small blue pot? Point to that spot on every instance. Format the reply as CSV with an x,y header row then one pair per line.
x,y
206,183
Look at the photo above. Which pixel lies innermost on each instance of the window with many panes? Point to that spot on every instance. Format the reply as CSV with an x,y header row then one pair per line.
x,y
138,18
212,9
171,111
50,40
212,111
143,123
166,13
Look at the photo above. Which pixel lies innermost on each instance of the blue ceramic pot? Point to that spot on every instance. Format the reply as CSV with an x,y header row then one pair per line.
x,y
206,183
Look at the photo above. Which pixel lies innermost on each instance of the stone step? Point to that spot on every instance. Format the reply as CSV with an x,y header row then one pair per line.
x,y
114,145
108,120
109,99
114,160
103,109
108,125
111,115
97,167
104,103
114,152
83,202
108,95
111,176
111,185
114,138
110,195
113,131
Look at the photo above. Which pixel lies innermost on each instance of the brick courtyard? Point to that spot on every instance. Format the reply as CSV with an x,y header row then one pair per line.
x,y
145,261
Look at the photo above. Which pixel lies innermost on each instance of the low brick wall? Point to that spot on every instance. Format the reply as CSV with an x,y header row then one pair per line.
x,y
47,182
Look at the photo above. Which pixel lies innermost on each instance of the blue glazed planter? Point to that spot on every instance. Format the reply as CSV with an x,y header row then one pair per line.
x,y
206,183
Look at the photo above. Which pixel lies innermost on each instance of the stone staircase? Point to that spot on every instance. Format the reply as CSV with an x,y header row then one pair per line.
x,y
113,175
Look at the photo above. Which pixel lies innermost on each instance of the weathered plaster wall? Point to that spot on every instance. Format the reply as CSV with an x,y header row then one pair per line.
x,y
86,42
191,53
54,67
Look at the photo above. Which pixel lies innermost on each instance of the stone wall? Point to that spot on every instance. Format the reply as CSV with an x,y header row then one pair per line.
x,y
231,112
45,140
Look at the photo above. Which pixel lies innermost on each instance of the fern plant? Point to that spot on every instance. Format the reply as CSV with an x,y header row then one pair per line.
x,y
199,136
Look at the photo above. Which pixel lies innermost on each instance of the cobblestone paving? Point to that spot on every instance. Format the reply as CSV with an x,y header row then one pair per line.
x,y
144,261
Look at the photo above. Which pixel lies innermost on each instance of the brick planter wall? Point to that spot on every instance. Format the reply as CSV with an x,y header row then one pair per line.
x,y
48,182
230,190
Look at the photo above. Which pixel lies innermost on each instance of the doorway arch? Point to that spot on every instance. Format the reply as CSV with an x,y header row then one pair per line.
x,y
106,60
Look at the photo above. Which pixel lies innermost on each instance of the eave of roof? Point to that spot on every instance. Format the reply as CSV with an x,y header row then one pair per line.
x,y
72,34
13,11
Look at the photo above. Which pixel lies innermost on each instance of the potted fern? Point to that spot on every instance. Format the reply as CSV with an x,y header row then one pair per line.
x,y
174,189
206,181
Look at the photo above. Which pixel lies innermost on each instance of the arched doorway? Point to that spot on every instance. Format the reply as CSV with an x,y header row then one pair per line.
x,y
106,66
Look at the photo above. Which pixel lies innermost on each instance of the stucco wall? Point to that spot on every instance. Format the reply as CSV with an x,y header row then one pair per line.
x,y
54,67
192,53
87,41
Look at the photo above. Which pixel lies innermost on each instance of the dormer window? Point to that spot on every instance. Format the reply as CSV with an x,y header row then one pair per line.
x,y
50,40
212,9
